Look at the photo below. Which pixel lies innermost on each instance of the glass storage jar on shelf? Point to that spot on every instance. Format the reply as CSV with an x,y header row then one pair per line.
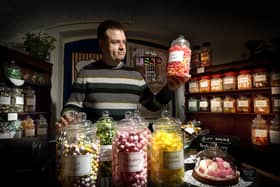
x,y
244,80
216,104
80,155
260,78
275,103
105,132
28,127
17,100
261,104
244,104
204,84
29,100
194,85
193,104
259,131
42,126
275,77
5,98
203,104
167,152
229,81
274,130
229,104
130,153
216,83
205,54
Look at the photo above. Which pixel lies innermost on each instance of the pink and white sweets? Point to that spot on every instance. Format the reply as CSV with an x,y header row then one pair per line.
x,y
130,156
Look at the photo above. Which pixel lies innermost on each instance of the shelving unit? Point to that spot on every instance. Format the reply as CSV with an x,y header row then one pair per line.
x,y
28,159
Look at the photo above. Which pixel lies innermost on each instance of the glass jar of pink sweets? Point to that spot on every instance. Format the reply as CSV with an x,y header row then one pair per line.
x,y
166,154
130,153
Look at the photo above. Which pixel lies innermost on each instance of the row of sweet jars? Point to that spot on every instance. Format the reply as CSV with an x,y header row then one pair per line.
x,y
244,79
17,99
230,104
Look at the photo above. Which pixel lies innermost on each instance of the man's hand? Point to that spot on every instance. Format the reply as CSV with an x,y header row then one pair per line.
x,y
64,120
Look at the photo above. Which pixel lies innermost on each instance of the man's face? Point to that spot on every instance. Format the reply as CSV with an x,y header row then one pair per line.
x,y
114,47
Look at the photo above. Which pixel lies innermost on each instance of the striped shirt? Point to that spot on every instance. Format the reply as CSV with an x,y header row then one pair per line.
x,y
99,87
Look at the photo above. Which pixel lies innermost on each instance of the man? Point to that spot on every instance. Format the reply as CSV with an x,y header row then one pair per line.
x,y
110,84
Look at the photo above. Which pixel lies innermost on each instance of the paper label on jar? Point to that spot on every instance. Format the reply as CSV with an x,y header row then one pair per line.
x,y
260,133
41,131
176,56
228,80
275,90
275,76
131,161
215,83
261,103
204,84
215,104
105,153
259,78
228,104
193,85
276,102
29,132
243,80
173,160
274,136
203,104
242,103
19,101
5,100
192,104
77,165
30,101
4,135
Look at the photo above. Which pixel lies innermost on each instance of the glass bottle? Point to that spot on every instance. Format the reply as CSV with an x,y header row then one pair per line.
x,y
274,130
259,131
229,81
105,132
17,100
130,154
203,104
167,152
229,104
80,155
28,127
260,78
29,100
205,54
42,126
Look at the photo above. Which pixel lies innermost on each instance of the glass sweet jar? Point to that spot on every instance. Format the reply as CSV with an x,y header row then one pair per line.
x,y
179,59
167,152
130,154
80,154
106,133
215,167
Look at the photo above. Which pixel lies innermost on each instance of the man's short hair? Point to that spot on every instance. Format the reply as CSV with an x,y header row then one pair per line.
x,y
105,25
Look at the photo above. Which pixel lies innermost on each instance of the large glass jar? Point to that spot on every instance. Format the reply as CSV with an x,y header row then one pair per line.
x,y
274,130
216,104
80,155
260,78
261,104
194,85
204,84
244,80
229,81
130,154
205,54
203,104
5,98
216,83
179,59
259,131
244,104
28,127
275,77
17,100
29,100
193,104
229,104
42,126
276,103
167,156
106,133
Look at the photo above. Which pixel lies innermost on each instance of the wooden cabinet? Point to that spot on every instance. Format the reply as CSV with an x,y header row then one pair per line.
x,y
27,160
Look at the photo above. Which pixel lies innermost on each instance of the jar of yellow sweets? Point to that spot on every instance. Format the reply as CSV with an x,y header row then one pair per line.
x,y
244,80
194,85
260,78
259,131
216,83
216,104
167,155
229,104
244,104
261,104
204,84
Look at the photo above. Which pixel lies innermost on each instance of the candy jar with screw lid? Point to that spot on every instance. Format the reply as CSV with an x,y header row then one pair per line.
x,y
167,152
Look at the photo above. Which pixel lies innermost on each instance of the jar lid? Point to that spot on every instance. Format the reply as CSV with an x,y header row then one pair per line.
x,y
231,73
206,77
217,75
244,72
258,70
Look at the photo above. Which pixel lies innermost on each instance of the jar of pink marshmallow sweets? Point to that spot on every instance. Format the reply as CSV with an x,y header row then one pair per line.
x,y
130,155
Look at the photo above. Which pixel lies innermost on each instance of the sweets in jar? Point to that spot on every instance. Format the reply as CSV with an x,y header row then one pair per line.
x,y
194,85
259,131
260,78
229,81
216,83
179,59
244,80
167,155
244,104
229,104
261,104
216,104
204,84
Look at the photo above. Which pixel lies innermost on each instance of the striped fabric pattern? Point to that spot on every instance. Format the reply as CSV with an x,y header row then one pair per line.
x,y
100,87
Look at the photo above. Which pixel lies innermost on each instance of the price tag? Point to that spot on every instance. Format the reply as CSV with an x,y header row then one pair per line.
x,y
12,116
200,70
